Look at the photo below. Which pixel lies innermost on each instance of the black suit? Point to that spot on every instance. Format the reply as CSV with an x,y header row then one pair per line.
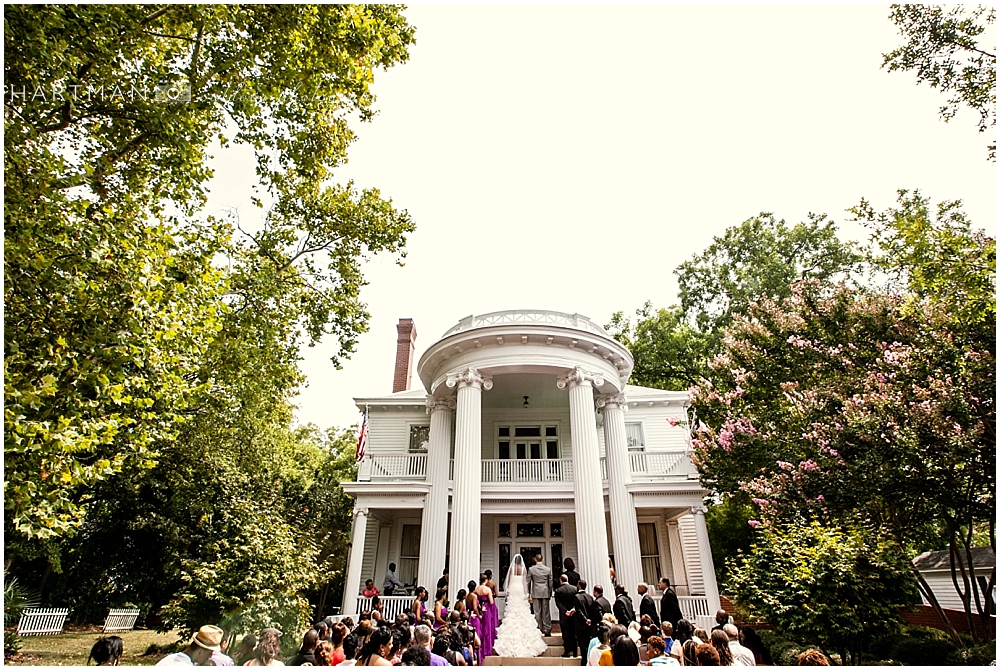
x,y
604,604
623,610
647,606
572,576
670,607
586,626
565,596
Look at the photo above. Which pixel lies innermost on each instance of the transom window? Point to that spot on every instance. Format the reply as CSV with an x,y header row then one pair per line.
x,y
524,442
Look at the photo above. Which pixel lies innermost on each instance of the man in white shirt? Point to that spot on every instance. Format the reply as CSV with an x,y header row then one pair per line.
x,y
741,655
207,640
391,582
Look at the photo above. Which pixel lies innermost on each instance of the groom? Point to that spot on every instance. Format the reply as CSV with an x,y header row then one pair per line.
x,y
540,589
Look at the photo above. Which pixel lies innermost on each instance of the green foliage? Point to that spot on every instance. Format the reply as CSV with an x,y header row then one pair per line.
x,y
978,655
669,353
117,312
16,598
729,531
945,48
760,258
832,587
917,645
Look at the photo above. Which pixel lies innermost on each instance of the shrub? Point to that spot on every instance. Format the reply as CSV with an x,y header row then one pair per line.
x,y
983,654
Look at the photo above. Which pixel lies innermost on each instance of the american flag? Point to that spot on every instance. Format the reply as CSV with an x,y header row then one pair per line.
x,y
362,437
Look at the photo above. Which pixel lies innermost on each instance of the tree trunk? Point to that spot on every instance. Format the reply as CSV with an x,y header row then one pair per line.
x,y
321,606
925,589
957,568
45,577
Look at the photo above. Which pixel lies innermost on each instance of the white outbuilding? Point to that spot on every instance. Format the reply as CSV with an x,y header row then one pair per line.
x,y
524,437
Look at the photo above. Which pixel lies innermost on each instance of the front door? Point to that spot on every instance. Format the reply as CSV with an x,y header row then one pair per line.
x,y
529,552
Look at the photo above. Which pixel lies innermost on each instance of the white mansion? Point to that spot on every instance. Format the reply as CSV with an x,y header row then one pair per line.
x,y
525,438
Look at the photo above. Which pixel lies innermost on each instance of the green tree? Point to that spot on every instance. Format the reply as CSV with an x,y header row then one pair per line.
x,y
945,47
760,258
869,409
114,292
669,352
836,589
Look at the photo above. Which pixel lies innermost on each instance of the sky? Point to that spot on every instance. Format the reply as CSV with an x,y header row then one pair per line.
x,y
570,157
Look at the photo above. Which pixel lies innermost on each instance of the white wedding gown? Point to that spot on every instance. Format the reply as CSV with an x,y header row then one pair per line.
x,y
518,634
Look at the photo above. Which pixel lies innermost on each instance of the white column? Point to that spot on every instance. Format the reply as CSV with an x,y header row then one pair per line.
x,y
588,489
352,580
624,530
466,505
434,523
707,565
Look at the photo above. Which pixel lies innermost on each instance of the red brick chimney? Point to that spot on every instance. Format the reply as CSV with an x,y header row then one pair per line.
x,y
406,335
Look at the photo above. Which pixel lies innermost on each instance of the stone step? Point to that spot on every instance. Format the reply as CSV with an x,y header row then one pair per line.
x,y
553,640
538,660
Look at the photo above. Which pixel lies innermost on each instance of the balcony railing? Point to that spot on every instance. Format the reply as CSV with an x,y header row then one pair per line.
x,y
414,467
397,466
662,464
533,317
533,470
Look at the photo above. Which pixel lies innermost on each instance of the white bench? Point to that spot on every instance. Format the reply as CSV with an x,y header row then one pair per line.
x,y
42,620
122,619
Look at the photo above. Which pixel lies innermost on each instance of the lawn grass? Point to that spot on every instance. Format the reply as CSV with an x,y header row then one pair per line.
x,y
72,646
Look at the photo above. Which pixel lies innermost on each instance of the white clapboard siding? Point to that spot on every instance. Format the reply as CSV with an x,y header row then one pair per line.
x,y
371,547
389,431
122,619
42,620
692,561
944,590
658,433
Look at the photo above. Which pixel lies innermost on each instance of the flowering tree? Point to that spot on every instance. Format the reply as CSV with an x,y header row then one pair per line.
x,y
869,408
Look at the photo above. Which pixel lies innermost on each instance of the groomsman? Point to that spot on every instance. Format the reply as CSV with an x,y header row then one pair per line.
x,y
646,605
565,596
623,607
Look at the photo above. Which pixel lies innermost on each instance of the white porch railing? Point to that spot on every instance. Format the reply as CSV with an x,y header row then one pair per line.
x,y
42,621
517,317
398,466
658,464
694,609
122,619
391,605
528,470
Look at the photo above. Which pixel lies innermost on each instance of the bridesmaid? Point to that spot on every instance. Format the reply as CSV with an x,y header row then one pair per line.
x,y
418,607
475,618
490,619
440,611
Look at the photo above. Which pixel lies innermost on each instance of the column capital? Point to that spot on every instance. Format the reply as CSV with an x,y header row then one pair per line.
x,y
616,401
469,377
361,511
698,509
436,403
578,377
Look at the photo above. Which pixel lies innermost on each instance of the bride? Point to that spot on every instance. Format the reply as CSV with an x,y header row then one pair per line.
x,y
518,634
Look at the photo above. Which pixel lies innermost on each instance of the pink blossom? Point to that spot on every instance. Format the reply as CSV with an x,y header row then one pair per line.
x,y
784,466
820,498
754,523
760,502
673,421
808,465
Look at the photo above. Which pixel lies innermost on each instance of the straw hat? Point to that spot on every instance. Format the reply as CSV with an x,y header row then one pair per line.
x,y
208,637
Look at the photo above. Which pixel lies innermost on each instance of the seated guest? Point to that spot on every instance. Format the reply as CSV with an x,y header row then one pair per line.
x,y
370,589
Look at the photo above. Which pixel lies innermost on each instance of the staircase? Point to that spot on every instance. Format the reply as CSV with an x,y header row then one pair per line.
x,y
551,656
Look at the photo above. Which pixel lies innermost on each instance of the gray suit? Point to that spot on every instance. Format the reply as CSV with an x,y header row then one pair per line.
x,y
540,590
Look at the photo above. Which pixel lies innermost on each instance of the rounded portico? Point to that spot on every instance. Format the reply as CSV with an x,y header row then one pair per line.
x,y
551,360
525,342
